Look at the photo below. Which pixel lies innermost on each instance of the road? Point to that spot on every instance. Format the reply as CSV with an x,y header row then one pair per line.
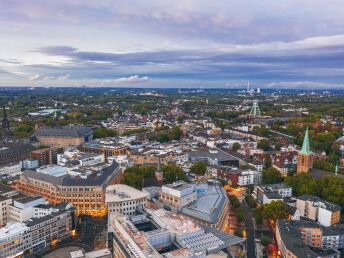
x,y
251,248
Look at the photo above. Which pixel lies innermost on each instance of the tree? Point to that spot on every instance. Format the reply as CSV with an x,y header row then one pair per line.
x,y
173,173
104,132
251,202
271,176
174,133
264,144
236,146
133,176
278,146
265,240
180,119
198,168
239,232
240,215
273,211
234,201
267,161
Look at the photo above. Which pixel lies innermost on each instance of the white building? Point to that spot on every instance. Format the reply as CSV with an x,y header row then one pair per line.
x,y
12,169
250,177
30,163
4,203
124,199
178,194
15,239
23,209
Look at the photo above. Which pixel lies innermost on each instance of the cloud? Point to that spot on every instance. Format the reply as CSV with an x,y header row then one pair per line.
x,y
127,80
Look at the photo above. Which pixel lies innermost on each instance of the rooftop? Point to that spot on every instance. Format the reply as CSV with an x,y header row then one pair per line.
x,y
121,193
211,200
64,131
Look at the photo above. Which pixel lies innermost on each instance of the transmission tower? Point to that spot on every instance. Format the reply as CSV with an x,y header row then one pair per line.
x,y
255,111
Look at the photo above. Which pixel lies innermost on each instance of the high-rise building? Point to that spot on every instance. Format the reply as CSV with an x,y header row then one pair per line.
x,y
305,156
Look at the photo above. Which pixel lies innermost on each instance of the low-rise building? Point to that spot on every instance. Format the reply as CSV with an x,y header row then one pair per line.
x,y
124,199
12,169
272,192
178,194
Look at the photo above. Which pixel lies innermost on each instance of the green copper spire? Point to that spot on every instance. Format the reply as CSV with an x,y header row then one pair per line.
x,y
306,148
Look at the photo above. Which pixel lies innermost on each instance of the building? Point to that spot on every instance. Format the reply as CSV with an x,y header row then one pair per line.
x,y
30,163
316,209
83,187
14,152
63,136
250,177
4,203
22,209
46,156
124,199
214,156
101,253
107,148
303,238
178,194
211,207
153,233
272,192
33,225
12,169
305,156
51,224
15,239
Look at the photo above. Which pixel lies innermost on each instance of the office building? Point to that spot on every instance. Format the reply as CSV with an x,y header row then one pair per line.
x,y
124,199
178,194
84,187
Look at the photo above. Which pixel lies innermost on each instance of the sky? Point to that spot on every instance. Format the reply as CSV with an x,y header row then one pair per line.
x,y
179,43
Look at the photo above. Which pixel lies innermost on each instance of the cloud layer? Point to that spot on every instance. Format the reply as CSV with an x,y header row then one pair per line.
x,y
172,43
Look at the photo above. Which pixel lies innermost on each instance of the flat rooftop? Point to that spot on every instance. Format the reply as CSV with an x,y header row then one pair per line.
x,y
121,193
211,200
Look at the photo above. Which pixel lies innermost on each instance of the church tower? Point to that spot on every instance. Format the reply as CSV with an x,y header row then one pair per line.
x,y
305,156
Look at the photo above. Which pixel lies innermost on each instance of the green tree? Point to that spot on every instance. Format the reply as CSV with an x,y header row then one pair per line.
x,y
104,132
265,240
267,161
173,173
236,146
198,168
264,144
278,146
251,202
240,215
273,211
271,176
133,176
234,201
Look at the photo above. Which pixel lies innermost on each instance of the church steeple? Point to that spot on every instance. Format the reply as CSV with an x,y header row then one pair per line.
x,y
306,148
305,156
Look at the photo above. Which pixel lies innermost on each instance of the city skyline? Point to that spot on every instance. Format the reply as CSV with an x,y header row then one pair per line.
x,y
172,44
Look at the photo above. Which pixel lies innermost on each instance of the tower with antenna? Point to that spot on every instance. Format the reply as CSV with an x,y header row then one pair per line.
x,y
255,111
